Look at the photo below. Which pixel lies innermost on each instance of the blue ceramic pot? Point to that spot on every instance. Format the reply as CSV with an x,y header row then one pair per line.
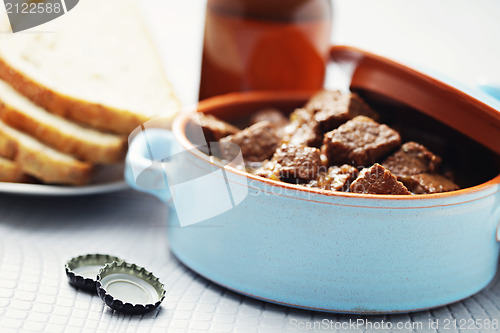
x,y
309,248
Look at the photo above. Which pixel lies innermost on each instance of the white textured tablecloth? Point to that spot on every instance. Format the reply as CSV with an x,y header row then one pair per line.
x,y
38,235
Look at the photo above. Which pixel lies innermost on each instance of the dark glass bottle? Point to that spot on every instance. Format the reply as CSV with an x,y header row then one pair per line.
x,y
265,45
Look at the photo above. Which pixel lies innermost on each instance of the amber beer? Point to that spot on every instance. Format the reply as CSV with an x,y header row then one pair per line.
x,y
264,45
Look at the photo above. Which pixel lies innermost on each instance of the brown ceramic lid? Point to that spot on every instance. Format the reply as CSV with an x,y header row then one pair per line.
x,y
470,112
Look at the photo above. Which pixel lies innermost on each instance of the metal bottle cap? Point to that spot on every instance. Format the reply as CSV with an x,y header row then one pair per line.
x,y
128,288
82,270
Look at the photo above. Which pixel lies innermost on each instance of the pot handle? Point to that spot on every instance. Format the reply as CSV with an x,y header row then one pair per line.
x,y
497,217
497,236
492,89
144,166
496,214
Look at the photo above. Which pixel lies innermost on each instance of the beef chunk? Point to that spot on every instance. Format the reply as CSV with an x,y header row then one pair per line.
x,y
272,115
336,178
303,135
292,164
360,142
429,183
332,108
214,129
322,99
301,116
297,164
377,180
268,169
411,159
303,130
257,143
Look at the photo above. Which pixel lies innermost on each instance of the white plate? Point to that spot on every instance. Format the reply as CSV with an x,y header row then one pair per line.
x,y
106,179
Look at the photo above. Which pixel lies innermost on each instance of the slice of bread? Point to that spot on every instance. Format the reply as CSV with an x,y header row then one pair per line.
x,y
41,161
84,143
95,65
11,172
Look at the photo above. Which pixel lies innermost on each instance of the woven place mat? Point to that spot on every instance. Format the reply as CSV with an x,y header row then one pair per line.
x,y
38,235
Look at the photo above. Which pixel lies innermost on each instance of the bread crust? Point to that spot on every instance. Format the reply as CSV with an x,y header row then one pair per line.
x,y
43,166
10,172
53,172
50,135
8,147
96,115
